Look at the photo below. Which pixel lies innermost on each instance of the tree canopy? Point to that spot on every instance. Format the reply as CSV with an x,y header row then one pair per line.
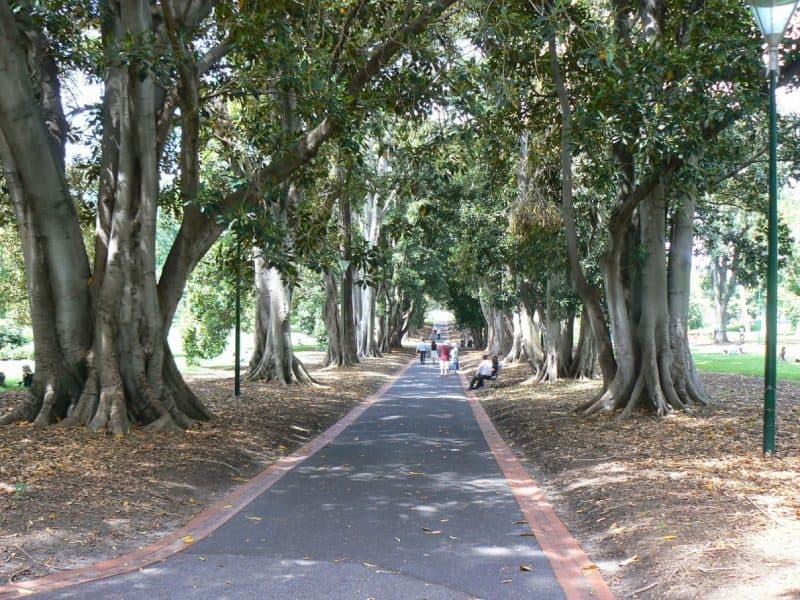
x,y
533,166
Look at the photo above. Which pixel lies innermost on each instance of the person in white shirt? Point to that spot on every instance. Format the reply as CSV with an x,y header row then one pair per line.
x,y
484,371
422,350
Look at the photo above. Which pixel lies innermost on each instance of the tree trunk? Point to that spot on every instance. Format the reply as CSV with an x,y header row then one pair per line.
x,y
687,381
517,352
566,344
382,333
273,356
654,384
530,327
346,309
336,355
723,284
32,136
615,395
552,367
367,344
400,326
590,297
585,363
120,372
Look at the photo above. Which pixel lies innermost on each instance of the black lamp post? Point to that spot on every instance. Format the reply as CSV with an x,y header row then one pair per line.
x,y
772,17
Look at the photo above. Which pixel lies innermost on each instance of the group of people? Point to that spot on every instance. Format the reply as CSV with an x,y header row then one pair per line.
x,y
447,357
446,354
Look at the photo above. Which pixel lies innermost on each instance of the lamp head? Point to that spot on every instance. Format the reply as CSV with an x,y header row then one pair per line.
x,y
772,17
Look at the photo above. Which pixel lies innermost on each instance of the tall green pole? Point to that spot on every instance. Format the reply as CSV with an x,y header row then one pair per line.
x,y
770,363
237,391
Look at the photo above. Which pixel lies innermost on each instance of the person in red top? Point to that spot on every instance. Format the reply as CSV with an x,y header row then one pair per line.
x,y
444,358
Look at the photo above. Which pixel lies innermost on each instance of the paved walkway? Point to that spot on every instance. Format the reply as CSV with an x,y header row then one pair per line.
x,y
408,502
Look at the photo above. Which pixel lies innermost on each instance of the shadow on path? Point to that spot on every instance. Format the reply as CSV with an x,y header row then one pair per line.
x,y
407,502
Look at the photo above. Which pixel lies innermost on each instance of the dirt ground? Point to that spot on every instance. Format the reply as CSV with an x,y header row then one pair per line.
x,y
682,507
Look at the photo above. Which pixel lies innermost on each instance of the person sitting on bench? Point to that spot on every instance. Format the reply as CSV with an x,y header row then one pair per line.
x,y
483,372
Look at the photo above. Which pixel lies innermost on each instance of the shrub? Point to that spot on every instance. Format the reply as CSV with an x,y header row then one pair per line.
x,y
11,335
24,352
191,348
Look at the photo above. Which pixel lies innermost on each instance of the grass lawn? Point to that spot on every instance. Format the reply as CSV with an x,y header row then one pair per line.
x,y
751,363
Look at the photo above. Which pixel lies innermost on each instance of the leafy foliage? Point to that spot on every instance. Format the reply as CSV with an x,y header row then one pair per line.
x,y
211,295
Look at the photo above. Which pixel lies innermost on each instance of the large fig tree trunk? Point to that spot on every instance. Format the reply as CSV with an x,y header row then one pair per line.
x,y
112,350
687,382
517,352
273,356
553,365
336,355
32,137
530,326
585,360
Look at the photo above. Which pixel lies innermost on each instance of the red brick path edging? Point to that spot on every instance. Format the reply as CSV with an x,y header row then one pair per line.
x,y
204,523
578,576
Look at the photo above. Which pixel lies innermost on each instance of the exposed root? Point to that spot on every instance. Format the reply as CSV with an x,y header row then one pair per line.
x,y
302,375
698,395
605,402
26,411
111,411
164,424
186,401
82,411
46,416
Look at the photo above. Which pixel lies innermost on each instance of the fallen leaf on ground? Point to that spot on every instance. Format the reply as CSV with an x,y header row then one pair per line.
x,y
590,568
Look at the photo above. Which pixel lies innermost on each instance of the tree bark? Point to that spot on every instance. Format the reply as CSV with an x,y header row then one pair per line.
x,y
346,309
585,363
687,382
552,366
530,327
723,283
273,355
335,355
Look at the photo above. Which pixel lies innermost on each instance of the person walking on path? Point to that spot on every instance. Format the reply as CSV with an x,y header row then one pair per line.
x,y
444,358
454,357
422,350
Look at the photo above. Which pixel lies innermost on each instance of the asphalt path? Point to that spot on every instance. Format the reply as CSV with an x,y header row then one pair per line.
x,y
406,503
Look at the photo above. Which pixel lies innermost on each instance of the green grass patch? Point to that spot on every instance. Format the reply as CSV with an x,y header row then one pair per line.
x,y
743,364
